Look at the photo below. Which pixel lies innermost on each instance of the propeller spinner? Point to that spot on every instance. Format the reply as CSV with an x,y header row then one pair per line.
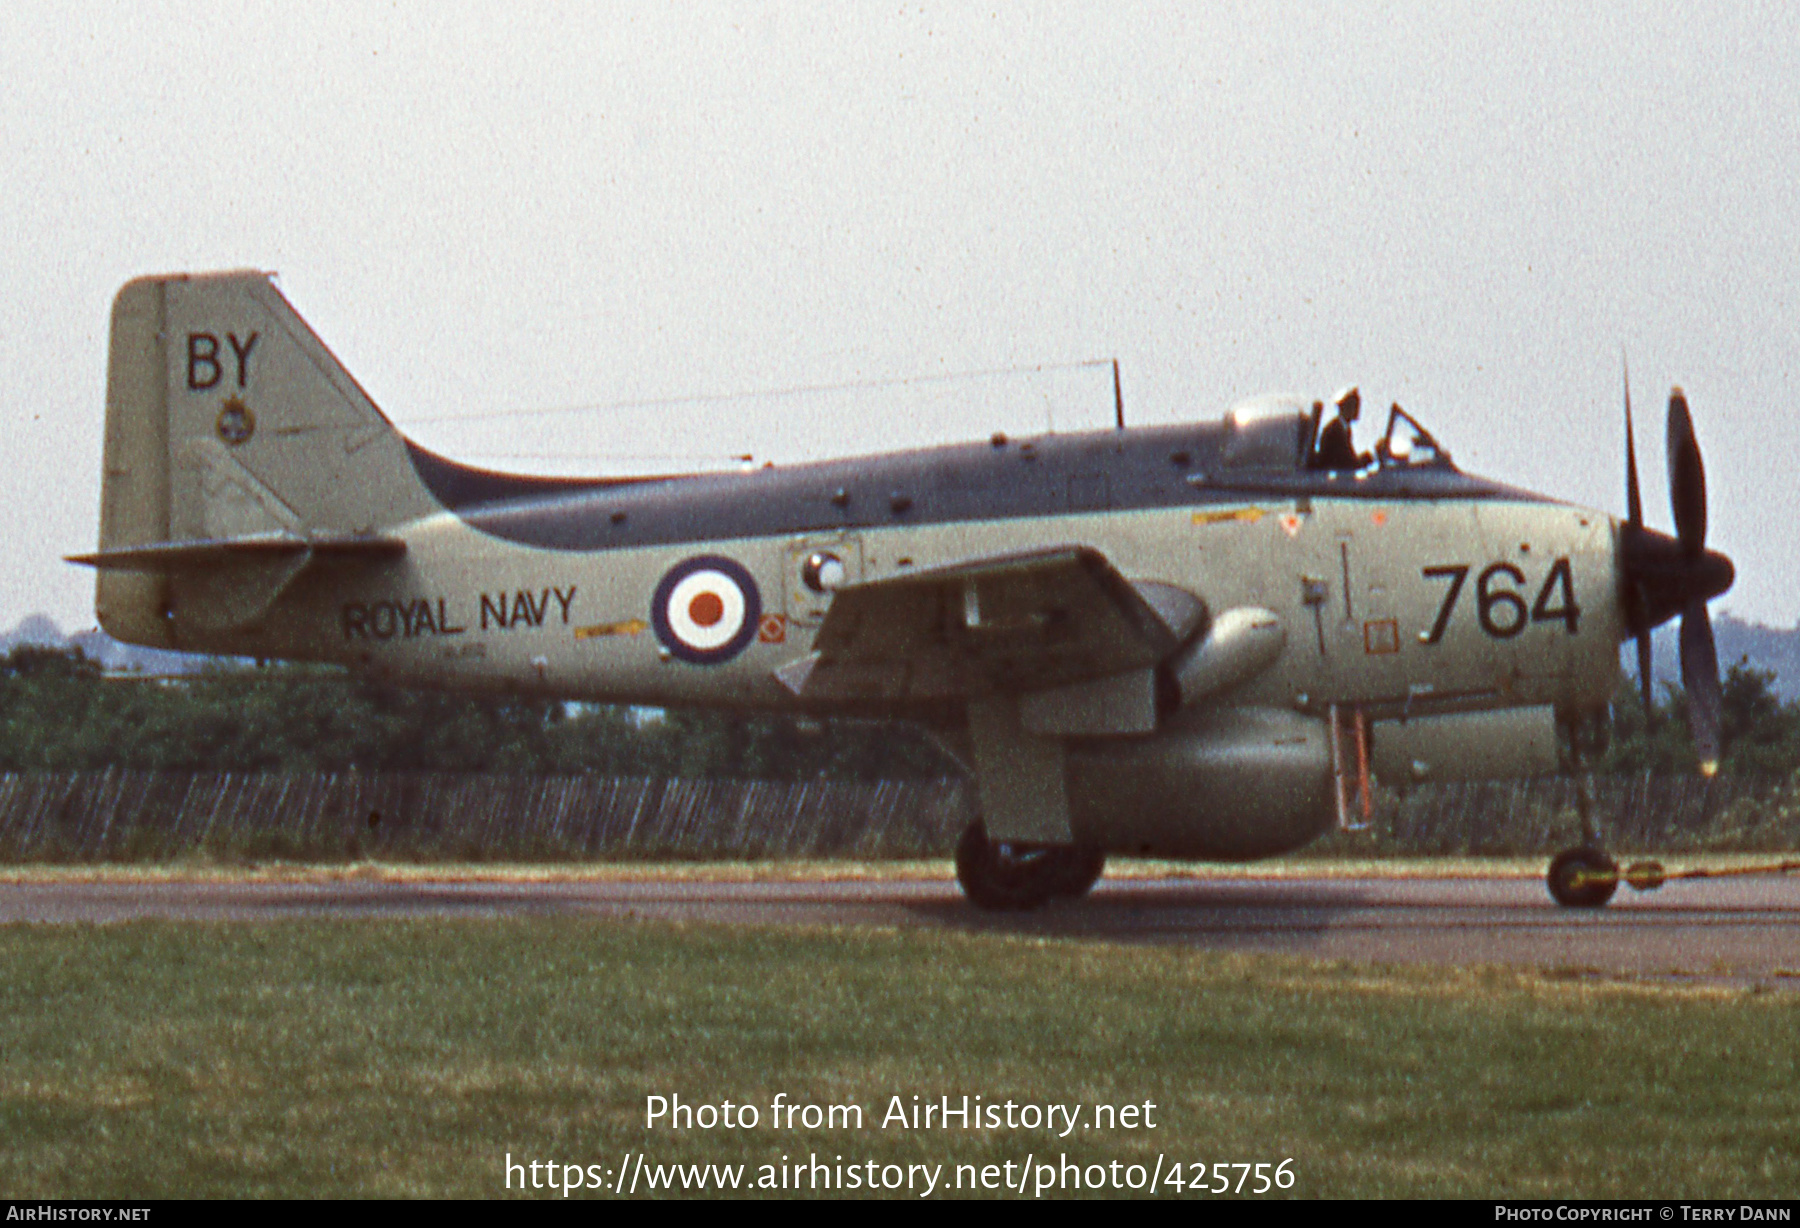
x,y
1662,576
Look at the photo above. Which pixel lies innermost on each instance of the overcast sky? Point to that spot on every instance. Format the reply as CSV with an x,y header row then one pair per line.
x,y
1467,208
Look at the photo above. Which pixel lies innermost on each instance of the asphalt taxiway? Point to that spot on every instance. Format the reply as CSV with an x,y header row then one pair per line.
x,y
1740,931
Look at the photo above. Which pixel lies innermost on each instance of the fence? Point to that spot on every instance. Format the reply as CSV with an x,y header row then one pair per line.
x,y
1540,816
122,815
145,816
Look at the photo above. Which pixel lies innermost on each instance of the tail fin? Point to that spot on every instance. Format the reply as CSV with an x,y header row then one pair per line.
x,y
237,449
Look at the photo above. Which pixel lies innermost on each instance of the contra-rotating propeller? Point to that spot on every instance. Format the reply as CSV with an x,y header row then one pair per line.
x,y
1662,576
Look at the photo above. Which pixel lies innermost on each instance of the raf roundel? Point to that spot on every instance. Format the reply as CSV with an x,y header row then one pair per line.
x,y
706,610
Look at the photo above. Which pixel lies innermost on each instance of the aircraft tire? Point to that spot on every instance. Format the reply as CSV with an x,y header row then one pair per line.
x,y
996,879
1078,869
1568,870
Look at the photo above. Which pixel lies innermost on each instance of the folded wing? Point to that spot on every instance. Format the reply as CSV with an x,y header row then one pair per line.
x,y
1009,624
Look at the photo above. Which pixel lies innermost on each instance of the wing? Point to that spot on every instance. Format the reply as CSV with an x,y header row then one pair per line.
x,y
1015,624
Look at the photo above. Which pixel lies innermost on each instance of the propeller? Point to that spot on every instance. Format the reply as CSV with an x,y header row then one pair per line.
x,y
1662,576
1636,599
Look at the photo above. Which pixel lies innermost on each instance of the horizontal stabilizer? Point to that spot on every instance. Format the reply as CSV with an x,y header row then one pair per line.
x,y
168,557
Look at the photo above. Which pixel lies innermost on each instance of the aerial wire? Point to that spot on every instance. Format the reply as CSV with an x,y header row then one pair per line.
x,y
773,393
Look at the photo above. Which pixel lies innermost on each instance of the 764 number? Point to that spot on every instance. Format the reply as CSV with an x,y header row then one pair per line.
x,y
1500,599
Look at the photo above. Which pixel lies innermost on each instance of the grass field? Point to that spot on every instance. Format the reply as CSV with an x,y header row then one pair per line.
x,y
401,1058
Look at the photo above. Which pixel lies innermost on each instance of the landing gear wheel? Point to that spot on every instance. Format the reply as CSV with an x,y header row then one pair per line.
x,y
1012,877
1078,868
1582,878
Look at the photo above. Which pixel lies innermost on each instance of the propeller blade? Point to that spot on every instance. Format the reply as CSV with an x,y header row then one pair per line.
x,y
1687,478
1700,676
1634,503
1662,576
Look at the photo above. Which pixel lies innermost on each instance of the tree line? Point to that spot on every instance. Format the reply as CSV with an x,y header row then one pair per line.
x,y
1761,733
60,712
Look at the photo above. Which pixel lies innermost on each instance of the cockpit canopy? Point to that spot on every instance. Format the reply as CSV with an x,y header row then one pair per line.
x,y
1281,431
1268,432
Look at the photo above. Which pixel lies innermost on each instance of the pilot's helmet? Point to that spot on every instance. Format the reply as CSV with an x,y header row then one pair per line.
x,y
1348,403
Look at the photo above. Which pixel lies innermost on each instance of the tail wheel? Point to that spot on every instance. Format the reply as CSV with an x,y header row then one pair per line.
x,y
1004,876
1582,878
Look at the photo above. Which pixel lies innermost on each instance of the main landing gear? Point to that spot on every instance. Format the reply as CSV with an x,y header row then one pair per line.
x,y
1007,876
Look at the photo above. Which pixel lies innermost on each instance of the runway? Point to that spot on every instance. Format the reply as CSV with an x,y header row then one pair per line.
x,y
1731,931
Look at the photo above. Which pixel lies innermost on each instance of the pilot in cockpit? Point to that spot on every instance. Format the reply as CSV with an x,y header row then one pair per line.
x,y
1336,447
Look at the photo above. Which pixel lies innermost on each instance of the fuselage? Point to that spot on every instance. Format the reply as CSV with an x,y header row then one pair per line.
x,y
1404,589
